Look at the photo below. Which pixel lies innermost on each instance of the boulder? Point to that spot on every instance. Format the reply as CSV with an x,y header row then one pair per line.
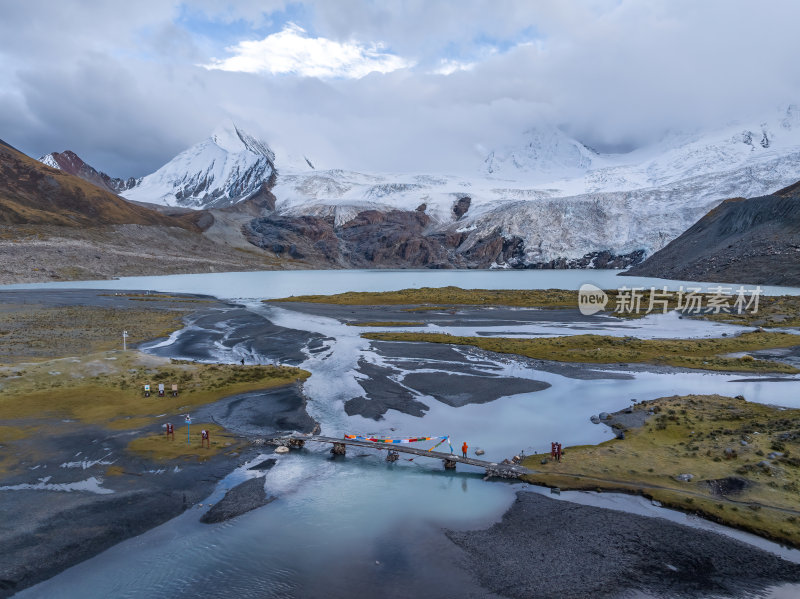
x,y
684,477
595,419
282,449
604,415
479,451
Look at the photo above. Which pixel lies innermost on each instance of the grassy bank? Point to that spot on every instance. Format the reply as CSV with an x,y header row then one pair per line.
x,y
702,354
443,296
45,394
387,323
30,332
161,448
773,311
744,459
107,388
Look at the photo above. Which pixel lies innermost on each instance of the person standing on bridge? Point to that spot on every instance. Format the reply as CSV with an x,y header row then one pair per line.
x,y
464,449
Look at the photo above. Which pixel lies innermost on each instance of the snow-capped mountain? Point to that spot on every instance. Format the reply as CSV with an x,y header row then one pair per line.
x,y
565,201
222,170
549,196
71,163
542,153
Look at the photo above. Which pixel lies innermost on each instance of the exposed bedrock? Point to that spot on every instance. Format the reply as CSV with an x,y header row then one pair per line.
x,y
461,206
406,239
755,241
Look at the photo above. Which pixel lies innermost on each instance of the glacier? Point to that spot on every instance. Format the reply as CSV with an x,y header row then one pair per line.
x,y
561,198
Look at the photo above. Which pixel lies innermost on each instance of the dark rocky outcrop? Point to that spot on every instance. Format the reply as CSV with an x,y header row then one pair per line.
x,y
298,236
461,206
754,241
393,239
604,259
404,239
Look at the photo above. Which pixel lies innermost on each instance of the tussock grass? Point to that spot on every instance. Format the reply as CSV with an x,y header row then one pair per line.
x,y
690,435
604,349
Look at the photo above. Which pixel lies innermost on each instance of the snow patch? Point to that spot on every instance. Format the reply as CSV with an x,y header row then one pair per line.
x,y
48,160
90,485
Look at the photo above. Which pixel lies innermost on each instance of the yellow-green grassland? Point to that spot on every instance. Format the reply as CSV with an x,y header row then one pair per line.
x,y
743,459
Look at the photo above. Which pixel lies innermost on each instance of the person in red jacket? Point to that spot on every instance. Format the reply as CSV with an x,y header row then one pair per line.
x,y
464,449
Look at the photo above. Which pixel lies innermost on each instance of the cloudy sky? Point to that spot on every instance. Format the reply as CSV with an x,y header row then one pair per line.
x,y
420,85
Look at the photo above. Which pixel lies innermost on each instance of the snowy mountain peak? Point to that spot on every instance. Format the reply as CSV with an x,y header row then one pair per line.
x,y
234,140
228,167
544,151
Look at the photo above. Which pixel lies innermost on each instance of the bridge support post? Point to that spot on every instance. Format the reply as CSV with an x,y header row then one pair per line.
x,y
449,464
297,443
339,449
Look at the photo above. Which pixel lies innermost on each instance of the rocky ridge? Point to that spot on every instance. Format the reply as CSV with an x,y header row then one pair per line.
x,y
755,240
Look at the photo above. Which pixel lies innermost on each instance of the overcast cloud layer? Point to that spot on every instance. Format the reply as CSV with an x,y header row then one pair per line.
x,y
420,85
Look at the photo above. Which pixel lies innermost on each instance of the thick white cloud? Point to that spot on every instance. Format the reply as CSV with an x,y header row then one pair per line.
x,y
120,84
292,51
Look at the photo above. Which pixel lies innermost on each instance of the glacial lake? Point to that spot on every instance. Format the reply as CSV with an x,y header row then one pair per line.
x,y
358,525
283,283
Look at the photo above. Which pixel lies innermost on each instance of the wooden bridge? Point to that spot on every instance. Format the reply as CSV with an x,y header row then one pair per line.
x,y
498,469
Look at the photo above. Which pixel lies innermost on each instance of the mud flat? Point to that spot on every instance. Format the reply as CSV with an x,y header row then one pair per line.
x,y
548,548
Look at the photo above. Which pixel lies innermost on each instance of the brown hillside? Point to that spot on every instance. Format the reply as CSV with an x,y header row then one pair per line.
x,y
32,193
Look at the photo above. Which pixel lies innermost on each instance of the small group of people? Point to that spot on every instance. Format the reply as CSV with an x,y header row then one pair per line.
x,y
555,451
205,440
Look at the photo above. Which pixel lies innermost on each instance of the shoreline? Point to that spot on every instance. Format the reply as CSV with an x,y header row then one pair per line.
x,y
237,413
730,491
71,486
577,550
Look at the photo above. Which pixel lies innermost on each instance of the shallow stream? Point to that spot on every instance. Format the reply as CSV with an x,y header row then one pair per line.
x,y
356,525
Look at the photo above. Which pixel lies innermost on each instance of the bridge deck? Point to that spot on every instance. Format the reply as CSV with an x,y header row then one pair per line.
x,y
508,470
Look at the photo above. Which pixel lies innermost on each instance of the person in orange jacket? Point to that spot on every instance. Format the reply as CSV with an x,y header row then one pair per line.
x,y
464,449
